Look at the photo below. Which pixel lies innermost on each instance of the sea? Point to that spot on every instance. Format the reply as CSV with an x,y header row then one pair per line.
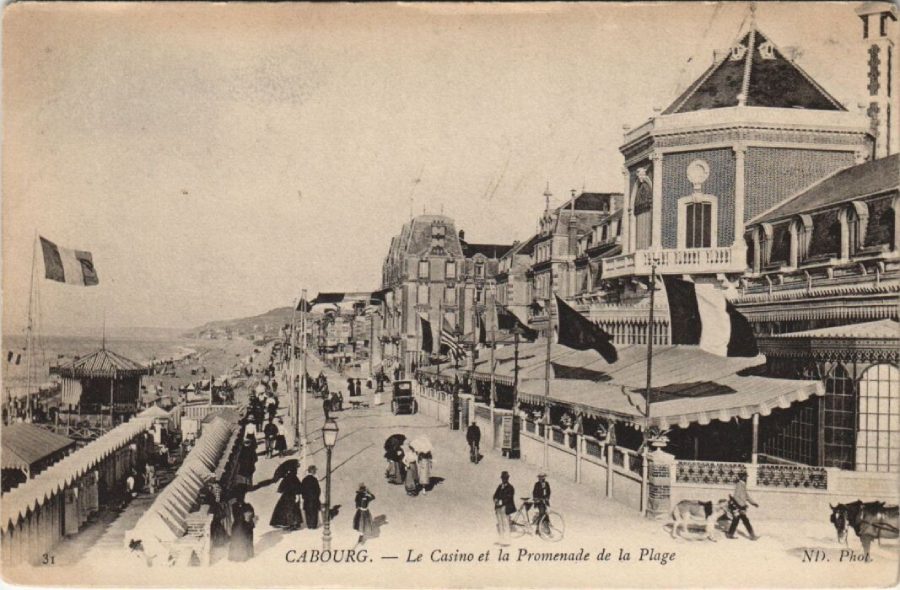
x,y
53,350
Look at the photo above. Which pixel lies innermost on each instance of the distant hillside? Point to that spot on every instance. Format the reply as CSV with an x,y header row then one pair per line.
x,y
265,324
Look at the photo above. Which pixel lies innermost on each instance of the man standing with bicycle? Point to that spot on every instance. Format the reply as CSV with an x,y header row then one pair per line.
x,y
541,497
504,506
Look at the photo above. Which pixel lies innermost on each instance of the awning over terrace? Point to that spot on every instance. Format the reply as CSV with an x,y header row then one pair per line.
x,y
689,385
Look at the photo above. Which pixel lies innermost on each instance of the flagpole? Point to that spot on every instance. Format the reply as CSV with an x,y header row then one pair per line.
x,y
29,335
304,313
649,390
295,411
547,381
440,334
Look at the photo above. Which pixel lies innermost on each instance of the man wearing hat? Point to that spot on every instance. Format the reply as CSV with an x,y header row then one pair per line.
x,y
504,506
738,505
541,496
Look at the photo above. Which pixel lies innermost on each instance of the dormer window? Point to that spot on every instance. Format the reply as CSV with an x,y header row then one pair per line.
x,y
801,232
479,270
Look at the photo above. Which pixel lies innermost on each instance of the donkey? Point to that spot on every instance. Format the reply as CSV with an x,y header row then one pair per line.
x,y
870,520
688,513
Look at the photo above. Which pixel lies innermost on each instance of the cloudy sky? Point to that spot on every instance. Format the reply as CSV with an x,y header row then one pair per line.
x,y
216,159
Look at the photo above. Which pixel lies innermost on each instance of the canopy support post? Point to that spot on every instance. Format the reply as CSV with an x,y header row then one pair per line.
x,y
755,451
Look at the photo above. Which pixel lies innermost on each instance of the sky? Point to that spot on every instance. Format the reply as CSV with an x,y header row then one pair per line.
x,y
216,159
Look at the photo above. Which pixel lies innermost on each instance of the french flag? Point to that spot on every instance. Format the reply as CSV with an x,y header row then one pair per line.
x,y
701,316
73,267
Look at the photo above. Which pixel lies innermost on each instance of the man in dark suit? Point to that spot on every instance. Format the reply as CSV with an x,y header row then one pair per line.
x,y
504,506
310,491
473,437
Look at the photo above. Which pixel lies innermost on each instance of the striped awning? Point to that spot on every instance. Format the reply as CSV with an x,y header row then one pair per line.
x,y
23,445
689,385
166,519
46,485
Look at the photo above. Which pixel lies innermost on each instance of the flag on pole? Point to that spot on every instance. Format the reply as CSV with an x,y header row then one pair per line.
x,y
304,306
578,332
509,322
425,333
74,267
701,316
10,356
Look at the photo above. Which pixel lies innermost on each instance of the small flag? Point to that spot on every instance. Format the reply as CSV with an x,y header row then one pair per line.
x,y
449,341
13,356
578,332
702,316
303,306
508,321
425,333
74,267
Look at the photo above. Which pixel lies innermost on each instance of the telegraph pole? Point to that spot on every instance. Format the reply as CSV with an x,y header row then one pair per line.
x,y
304,313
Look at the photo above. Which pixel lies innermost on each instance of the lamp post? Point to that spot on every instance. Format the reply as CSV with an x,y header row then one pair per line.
x,y
329,437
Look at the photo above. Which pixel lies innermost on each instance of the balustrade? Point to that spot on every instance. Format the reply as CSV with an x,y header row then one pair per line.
x,y
792,476
709,472
674,261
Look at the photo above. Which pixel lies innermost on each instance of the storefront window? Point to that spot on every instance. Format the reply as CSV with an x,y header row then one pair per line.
x,y
878,443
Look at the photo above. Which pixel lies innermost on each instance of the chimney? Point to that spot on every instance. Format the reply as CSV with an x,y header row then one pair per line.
x,y
879,20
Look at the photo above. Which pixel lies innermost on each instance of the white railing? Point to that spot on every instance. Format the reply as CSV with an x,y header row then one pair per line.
x,y
676,261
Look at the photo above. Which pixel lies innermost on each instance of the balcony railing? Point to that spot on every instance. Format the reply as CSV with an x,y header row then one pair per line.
x,y
676,261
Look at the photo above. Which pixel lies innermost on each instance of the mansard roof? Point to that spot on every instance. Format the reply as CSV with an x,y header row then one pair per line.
x,y
754,73
487,250
869,178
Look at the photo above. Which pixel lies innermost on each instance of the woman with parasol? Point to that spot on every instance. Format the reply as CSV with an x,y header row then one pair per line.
x,y
393,452
287,511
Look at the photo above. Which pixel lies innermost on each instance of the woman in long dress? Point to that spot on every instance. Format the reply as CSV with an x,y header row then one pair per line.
x,y
362,520
241,546
424,465
395,471
411,482
287,511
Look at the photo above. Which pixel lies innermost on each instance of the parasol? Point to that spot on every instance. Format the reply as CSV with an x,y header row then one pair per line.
x,y
421,444
285,468
394,441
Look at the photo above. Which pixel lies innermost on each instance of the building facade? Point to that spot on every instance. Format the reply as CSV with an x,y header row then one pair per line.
x,y
432,272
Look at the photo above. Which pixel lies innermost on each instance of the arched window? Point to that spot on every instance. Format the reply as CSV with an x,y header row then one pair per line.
x,y
881,230
854,220
642,197
801,230
878,442
751,238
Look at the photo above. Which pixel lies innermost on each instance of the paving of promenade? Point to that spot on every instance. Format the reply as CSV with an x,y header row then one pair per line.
x,y
456,518
455,523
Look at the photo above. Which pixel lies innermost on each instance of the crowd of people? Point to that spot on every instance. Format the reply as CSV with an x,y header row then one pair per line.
x,y
409,464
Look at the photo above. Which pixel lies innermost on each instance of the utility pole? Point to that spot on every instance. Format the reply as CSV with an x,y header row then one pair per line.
x,y
304,313
649,390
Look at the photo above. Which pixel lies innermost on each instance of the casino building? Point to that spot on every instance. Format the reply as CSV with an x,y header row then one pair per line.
x,y
757,181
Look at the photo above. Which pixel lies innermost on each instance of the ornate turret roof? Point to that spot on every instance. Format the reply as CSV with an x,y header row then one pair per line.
x,y
754,73
101,364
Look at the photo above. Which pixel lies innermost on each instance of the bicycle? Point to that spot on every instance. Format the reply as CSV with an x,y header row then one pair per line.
x,y
549,527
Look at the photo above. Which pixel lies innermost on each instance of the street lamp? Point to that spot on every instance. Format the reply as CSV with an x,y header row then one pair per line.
x,y
329,437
